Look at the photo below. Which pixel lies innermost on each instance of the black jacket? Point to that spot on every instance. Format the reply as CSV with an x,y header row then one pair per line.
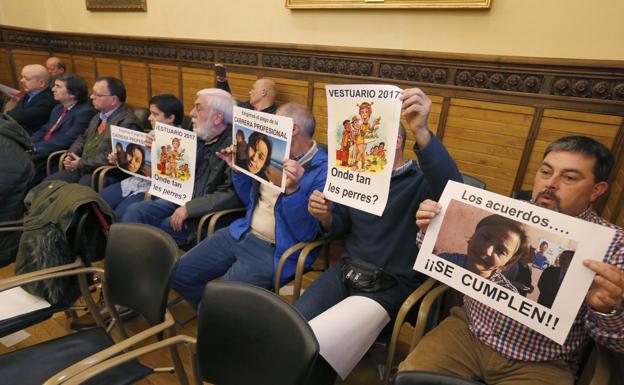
x,y
16,172
34,113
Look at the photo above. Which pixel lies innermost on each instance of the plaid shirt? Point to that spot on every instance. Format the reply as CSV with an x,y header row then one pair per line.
x,y
517,341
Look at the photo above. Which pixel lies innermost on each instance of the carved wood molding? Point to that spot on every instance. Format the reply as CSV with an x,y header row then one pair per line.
x,y
565,79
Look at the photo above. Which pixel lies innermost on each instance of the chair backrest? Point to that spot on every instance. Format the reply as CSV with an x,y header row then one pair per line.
x,y
249,335
472,181
140,260
142,114
430,378
523,195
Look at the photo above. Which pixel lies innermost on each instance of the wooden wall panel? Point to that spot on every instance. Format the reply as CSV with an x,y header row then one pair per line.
x,y
558,123
68,60
289,90
135,79
85,67
433,123
164,79
24,57
487,140
108,67
616,188
319,110
6,76
240,84
193,80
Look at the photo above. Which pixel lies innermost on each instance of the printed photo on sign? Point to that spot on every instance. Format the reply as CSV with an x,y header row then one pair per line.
x,y
485,245
173,157
260,154
262,143
363,123
482,242
131,154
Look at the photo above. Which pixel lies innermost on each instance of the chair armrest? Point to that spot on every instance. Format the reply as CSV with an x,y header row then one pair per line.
x,y
311,246
108,358
61,155
16,222
74,268
423,313
99,174
218,215
280,264
602,370
407,305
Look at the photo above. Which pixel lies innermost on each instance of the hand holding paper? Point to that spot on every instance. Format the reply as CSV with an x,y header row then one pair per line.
x,y
226,154
321,209
149,139
607,287
427,210
416,107
294,171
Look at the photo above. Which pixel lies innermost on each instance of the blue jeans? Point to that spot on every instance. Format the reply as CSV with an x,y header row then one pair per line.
x,y
119,203
249,259
158,214
326,291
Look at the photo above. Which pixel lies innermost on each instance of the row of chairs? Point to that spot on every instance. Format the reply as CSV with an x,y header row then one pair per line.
x,y
275,346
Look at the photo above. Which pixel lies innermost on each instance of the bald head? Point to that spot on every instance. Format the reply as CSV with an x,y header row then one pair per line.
x,y
34,77
262,94
55,66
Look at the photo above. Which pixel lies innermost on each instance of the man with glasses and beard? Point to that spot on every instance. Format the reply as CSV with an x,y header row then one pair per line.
x,y
479,343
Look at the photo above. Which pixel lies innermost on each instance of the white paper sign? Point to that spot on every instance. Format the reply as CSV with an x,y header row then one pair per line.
x,y
449,234
133,157
10,91
262,144
362,127
173,163
347,330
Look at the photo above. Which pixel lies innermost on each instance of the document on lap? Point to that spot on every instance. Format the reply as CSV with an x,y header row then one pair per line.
x,y
362,128
173,157
9,91
474,242
262,143
132,156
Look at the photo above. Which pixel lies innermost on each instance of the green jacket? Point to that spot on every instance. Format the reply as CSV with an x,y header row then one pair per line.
x,y
51,210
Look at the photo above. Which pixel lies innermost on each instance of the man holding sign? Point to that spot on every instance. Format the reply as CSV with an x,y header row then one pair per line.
x,y
212,118
478,342
249,249
386,242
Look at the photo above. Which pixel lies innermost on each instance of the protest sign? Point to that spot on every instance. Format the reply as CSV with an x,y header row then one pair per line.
x,y
362,127
262,144
133,157
173,156
455,252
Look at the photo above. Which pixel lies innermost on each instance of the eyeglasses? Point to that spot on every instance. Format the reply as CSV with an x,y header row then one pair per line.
x,y
95,94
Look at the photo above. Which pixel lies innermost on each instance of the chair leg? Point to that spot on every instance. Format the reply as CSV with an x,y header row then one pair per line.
x,y
177,362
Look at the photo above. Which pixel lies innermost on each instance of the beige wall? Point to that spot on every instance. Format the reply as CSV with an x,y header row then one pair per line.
x,y
543,28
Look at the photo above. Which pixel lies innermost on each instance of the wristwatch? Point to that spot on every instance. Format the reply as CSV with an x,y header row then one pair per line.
x,y
617,309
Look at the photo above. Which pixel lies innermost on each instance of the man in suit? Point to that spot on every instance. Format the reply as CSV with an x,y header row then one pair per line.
x,y
68,120
90,150
33,109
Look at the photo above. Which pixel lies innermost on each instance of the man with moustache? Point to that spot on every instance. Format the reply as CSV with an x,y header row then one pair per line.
x,y
479,343
212,122
90,150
